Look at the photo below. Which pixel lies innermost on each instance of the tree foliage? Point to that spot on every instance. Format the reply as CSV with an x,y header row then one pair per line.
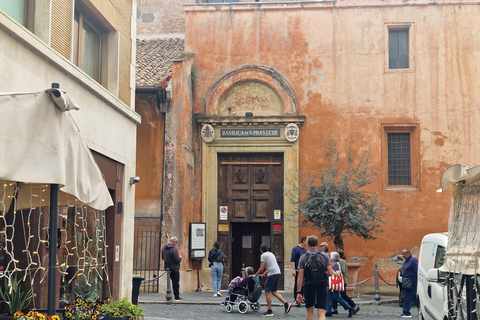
x,y
333,201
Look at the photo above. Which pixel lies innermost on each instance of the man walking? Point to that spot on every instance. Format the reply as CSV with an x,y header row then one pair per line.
x,y
172,261
409,282
297,252
313,268
269,263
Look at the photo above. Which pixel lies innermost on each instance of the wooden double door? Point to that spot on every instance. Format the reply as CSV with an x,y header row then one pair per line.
x,y
250,187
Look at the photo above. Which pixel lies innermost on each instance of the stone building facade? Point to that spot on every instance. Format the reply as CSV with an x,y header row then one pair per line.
x,y
393,77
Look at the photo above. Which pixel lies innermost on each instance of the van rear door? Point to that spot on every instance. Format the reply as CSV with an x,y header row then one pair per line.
x,y
431,294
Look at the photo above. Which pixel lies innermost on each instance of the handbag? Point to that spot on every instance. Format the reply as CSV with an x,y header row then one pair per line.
x,y
407,284
336,283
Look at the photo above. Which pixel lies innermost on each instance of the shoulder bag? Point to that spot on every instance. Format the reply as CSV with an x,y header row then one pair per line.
x,y
336,283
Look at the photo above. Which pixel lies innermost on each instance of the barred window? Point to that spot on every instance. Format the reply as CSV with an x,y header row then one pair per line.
x,y
398,54
399,158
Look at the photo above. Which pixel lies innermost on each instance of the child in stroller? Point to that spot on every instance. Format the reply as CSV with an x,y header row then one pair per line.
x,y
244,293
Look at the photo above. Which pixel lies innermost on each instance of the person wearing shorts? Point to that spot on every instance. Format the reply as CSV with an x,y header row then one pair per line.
x,y
315,294
270,268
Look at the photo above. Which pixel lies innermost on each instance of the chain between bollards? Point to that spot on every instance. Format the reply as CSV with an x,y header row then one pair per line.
x,y
377,288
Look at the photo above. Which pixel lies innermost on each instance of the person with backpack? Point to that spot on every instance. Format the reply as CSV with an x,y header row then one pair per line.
x,y
215,256
313,268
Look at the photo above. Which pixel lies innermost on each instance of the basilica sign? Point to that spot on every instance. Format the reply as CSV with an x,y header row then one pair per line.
x,y
233,133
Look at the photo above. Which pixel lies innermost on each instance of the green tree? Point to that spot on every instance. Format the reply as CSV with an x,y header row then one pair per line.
x,y
333,200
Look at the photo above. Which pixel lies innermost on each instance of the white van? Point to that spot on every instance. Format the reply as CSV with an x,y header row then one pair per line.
x,y
431,295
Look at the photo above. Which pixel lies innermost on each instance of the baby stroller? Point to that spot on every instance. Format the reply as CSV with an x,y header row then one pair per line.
x,y
244,297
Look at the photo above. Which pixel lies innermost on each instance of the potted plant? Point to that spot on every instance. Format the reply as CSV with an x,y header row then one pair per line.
x,y
123,309
13,296
83,309
33,315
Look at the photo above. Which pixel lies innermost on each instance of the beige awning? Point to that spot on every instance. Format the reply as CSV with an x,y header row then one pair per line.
x,y
41,144
463,249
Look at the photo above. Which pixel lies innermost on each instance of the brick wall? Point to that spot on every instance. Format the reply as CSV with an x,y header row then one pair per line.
x,y
166,16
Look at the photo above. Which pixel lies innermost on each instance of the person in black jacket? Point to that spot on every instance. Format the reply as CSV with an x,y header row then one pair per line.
x,y
172,260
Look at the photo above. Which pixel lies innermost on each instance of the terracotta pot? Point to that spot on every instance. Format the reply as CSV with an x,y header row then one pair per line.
x,y
352,273
116,318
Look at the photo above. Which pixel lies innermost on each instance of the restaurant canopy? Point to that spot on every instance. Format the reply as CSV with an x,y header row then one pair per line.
x,y
463,248
41,144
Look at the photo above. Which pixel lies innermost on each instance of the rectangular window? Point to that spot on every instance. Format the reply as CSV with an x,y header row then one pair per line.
x,y
398,52
87,51
399,159
20,10
15,9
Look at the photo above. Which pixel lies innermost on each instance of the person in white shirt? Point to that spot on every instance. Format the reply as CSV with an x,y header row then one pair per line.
x,y
270,268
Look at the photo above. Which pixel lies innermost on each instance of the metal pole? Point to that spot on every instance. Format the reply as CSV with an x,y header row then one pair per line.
x,y
52,251
198,277
168,296
377,288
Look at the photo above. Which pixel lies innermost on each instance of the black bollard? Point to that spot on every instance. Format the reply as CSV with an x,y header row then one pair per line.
x,y
377,288
168,296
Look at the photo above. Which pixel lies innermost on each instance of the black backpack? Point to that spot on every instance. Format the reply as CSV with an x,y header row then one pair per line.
x,y
315,270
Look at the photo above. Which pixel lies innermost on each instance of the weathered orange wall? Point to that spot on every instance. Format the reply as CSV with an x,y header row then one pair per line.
x,y
150,136
334,57
179,191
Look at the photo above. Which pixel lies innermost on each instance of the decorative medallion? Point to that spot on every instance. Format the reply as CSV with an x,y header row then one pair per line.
x,y
260,174
208,134
240,175
291,132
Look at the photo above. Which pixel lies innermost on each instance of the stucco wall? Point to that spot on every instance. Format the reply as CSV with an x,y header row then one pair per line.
x,y
334,57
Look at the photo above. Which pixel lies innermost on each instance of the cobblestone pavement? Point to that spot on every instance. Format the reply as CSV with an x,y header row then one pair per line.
x,y
203,312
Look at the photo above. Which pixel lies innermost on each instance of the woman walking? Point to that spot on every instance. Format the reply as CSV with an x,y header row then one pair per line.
x,y
215,256
335,295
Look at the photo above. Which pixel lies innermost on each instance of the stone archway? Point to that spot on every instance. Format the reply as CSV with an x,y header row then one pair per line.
x,y
270,102
261,81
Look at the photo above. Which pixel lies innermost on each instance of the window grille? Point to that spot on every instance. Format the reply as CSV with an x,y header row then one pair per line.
x,y
398,49
399,160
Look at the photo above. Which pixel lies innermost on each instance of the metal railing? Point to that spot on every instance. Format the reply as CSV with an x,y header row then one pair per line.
x,y
146,257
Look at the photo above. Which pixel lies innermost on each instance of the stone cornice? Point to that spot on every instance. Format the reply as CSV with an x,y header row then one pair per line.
x,y
254,120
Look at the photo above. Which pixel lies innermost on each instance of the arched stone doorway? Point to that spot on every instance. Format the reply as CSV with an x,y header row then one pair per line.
x,y
248,164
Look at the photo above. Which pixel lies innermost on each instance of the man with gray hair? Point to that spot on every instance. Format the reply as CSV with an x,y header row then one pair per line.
x,y
409,282
313,268
172,260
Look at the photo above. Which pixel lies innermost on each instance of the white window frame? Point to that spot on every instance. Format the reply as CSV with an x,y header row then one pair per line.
x,y
411,46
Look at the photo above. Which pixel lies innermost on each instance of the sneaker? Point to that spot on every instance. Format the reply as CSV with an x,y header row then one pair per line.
x,y
288,307
357,308
178,299
335,312
296,303
328,314
219,294
269,313
403,315
215,295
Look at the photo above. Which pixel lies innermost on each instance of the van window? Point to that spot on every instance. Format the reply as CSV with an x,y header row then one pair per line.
x,y
439,257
